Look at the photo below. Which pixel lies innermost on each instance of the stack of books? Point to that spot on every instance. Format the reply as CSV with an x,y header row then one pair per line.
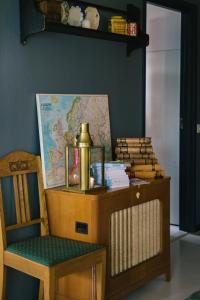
x,y
114,174
139,153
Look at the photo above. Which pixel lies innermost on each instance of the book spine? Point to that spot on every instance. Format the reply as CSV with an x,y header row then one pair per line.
x,y
144,161
155,167
133,144
139,150
109,165
147,174
145,140
116,181
135,155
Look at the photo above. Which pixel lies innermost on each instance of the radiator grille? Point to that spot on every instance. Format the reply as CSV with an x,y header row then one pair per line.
x,y
135,235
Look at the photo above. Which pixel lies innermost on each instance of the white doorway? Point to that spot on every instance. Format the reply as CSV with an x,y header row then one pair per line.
x,y
163,58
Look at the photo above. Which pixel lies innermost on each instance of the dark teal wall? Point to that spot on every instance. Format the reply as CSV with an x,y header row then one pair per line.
x,y
56,63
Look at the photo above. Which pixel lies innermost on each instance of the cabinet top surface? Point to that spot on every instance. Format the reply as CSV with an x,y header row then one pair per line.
x,y
97,193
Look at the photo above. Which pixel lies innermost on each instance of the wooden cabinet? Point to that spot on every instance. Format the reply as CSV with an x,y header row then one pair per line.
x,y
134,225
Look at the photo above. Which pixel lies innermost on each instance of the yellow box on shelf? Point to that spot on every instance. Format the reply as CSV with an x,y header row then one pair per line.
x,y
117,24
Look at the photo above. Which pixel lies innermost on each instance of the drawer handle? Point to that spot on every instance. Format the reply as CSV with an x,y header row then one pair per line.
x,y
138,195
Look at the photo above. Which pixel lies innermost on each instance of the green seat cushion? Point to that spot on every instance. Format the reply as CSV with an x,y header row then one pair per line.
x,y
50,250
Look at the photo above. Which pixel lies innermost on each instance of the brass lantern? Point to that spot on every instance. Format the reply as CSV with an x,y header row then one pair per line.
x,y
82,161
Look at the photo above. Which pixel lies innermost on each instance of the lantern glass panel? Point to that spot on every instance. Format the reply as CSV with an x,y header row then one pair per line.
x,y
97,165
73,167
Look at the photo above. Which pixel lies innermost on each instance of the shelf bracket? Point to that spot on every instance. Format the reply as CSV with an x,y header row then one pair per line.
x,y
31,20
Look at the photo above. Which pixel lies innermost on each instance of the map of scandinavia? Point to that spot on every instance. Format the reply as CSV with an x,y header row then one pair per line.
x,y
59,118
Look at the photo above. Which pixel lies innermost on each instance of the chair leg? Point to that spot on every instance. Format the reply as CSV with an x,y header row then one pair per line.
x,y
2,282
50,286
100,278
41,291
94,283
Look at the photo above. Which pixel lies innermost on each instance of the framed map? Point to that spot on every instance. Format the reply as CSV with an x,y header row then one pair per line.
x,y
59,118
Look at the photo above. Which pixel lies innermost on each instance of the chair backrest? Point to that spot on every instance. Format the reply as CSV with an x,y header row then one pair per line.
x,y
18,165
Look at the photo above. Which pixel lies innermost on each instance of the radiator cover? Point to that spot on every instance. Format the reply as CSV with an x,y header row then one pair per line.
x,y
135,235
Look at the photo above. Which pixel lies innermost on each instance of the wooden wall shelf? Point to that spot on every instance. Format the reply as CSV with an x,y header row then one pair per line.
x,y
32,21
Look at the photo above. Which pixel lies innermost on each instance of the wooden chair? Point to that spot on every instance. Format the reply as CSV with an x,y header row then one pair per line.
x,y
45,257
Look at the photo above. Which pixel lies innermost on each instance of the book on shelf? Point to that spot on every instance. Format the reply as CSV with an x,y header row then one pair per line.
x,y
147,174
140,150
122,156
139,153
117,182
144,161
155,167
110,165
114,174
145,140
133,144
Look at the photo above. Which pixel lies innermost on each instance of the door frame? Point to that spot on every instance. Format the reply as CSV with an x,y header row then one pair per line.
x,y
188,105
